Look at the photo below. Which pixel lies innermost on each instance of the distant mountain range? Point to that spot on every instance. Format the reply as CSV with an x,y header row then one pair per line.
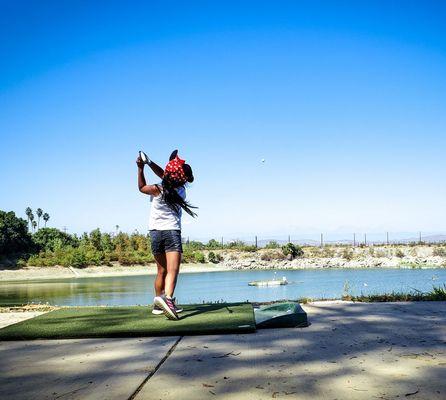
x,y
427,239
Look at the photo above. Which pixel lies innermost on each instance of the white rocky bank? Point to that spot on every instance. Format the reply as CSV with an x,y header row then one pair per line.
x,y
254,261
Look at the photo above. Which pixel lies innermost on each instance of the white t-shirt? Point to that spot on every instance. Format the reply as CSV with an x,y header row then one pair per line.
x,y
162,217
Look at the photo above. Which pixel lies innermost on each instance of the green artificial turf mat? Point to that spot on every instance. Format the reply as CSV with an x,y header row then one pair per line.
x,y
91,322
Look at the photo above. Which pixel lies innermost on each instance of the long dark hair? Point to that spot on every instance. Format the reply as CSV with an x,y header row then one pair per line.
x,y
170,195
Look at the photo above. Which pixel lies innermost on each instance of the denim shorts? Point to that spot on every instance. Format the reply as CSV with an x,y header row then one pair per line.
x,y
166,241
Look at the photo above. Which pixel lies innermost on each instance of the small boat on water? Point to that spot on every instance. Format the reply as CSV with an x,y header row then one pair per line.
x,y
273,282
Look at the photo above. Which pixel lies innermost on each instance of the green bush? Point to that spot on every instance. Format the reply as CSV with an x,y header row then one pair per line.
x,y
272,244
84,240
33,260
139,242
438,293
52,238
94,257
293,249
196,245
53,247
214,257
241,246
106,242
95,239
249,248
14,235
188,255
199,257
77,259
70,257
236,244
272,255
213,244
126,258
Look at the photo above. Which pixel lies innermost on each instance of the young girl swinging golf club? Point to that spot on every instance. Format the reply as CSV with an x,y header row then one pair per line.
x,y
168,201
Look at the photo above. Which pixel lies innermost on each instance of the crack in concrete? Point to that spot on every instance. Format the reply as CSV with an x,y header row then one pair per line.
x,y
157,367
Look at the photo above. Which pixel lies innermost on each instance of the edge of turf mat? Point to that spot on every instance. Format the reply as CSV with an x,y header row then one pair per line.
x,y
133,321
288,314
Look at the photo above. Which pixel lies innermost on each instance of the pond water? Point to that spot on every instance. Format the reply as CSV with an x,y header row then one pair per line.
x,y
227,286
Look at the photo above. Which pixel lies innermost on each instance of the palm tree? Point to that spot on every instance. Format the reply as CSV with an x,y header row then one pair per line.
x,y
28,213
39,213
46,217
34,225
31,218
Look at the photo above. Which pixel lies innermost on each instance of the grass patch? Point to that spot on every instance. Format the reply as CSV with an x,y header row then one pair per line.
x,y
134,321
436,294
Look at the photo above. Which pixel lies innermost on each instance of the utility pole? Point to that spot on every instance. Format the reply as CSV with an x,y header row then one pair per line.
x,y
365,239
289,239
387,238
419,237
354,240
322,240
222,243
256,241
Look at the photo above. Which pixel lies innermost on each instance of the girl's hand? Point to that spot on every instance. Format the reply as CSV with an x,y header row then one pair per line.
x,y
140,162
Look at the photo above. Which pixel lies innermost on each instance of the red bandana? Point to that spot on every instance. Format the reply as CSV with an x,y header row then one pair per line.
x,y
174,169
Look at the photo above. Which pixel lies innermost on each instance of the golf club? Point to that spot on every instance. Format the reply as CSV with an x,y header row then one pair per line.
x,y
145,158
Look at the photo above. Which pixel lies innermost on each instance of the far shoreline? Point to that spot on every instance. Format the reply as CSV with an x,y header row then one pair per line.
x,y
48,273
28,274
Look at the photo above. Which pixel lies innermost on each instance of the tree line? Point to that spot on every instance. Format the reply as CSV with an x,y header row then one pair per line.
x,y
29,244
23,241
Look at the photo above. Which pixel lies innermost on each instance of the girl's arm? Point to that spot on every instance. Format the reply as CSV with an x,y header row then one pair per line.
x,y
142,185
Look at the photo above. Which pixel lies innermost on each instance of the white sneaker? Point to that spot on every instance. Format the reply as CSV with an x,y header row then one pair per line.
x,y
157,310
167,305
177,309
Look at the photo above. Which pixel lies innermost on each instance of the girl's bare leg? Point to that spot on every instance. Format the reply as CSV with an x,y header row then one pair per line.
x,y
161,264
173,268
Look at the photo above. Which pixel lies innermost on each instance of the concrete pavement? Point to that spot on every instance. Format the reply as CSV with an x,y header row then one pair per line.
x,y
350,351
78,369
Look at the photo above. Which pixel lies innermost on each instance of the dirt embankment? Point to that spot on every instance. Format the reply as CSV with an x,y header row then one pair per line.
x,y
340,257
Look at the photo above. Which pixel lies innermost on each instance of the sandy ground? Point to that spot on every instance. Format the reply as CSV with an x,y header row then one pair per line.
x,y
9,318
33,273
350,351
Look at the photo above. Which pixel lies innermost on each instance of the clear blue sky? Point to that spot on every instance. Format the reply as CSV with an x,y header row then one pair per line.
x,y
345,101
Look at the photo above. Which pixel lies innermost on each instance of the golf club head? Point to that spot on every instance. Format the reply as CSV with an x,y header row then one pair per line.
x,y
144,157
